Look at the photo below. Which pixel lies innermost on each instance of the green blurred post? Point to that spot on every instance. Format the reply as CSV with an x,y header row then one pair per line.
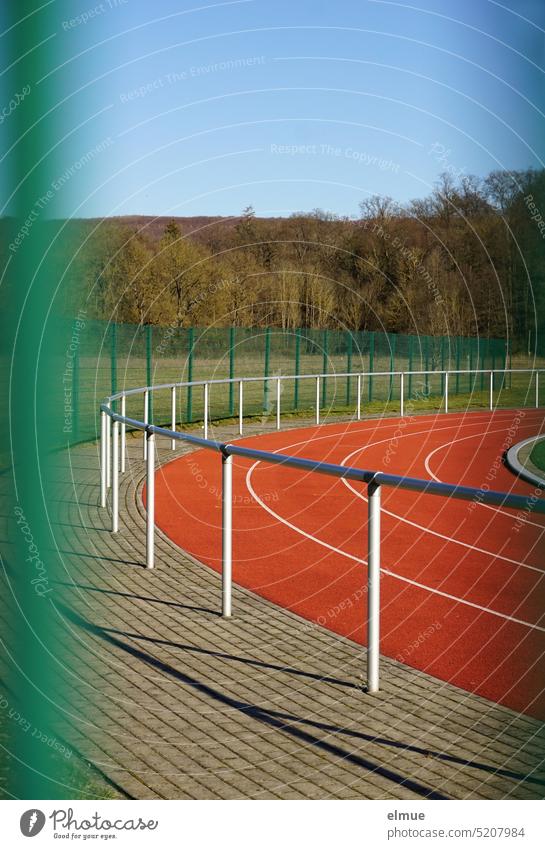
x,y
325,364
297,367
371,362
190,345
149,341
348,364
469,388
267,367
483,358
410,366
75,393
231,370
113,361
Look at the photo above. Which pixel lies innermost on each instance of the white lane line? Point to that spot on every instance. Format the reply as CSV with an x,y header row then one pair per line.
x,y
429,530
360,495
480,504
384,571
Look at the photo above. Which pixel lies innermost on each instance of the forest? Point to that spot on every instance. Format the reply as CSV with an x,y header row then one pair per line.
x,y
467,260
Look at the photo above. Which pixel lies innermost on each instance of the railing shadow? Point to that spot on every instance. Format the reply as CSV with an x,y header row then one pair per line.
x,y
260,714
324,726
150,599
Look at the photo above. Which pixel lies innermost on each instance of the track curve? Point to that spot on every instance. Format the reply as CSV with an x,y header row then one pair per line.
x,y
463,584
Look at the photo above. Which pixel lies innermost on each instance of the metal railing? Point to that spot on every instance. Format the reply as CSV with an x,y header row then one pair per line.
x,y
113,451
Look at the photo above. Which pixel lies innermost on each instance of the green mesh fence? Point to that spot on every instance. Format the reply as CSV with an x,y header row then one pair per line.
x,y
110,357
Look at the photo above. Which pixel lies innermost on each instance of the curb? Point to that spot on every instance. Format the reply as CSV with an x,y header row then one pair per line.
x,y
515,466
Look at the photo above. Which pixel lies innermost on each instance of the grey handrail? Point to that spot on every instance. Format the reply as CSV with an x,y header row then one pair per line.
x,y
374,479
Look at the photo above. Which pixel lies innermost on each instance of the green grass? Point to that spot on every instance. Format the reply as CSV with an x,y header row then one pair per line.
x,y
538,455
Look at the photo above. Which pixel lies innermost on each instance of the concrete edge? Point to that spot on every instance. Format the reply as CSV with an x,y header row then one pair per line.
x,y
514,465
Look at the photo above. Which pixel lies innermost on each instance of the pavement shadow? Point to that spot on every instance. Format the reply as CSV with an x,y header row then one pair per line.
x,y
262,715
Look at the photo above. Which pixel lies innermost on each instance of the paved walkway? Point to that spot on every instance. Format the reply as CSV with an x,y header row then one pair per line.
x,y
171,701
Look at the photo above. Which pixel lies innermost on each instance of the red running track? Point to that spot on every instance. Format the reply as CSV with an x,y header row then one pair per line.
x,y
463,590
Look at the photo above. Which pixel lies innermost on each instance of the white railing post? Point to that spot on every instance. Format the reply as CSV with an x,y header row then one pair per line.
x,y
173,415
446,392
108,452
491,405
206,410
103,458
358,406
240,406
146,421
373,588
226,533
278,403
150,501
317,400
537,388
123,449
401,394
115,477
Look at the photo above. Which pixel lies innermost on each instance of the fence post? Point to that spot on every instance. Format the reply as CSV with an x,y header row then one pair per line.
x,y
173,415
410,366
427,363
297,367
108,452
146,421
205,414
373,588
240,406
113,361
267,368
115,477
103,458
491,390
537,388
149,332
325,364
317,400
446,392
190,343
401,394
278,403
150,500
371,362
226,533
442,365
358,407
458,354
392,338
231,371
123,434
348,365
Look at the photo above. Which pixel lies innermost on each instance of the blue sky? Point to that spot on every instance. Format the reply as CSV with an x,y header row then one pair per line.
x,y
291,105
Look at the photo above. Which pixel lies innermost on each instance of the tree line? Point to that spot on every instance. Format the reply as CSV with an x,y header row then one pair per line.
x,y
466,260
